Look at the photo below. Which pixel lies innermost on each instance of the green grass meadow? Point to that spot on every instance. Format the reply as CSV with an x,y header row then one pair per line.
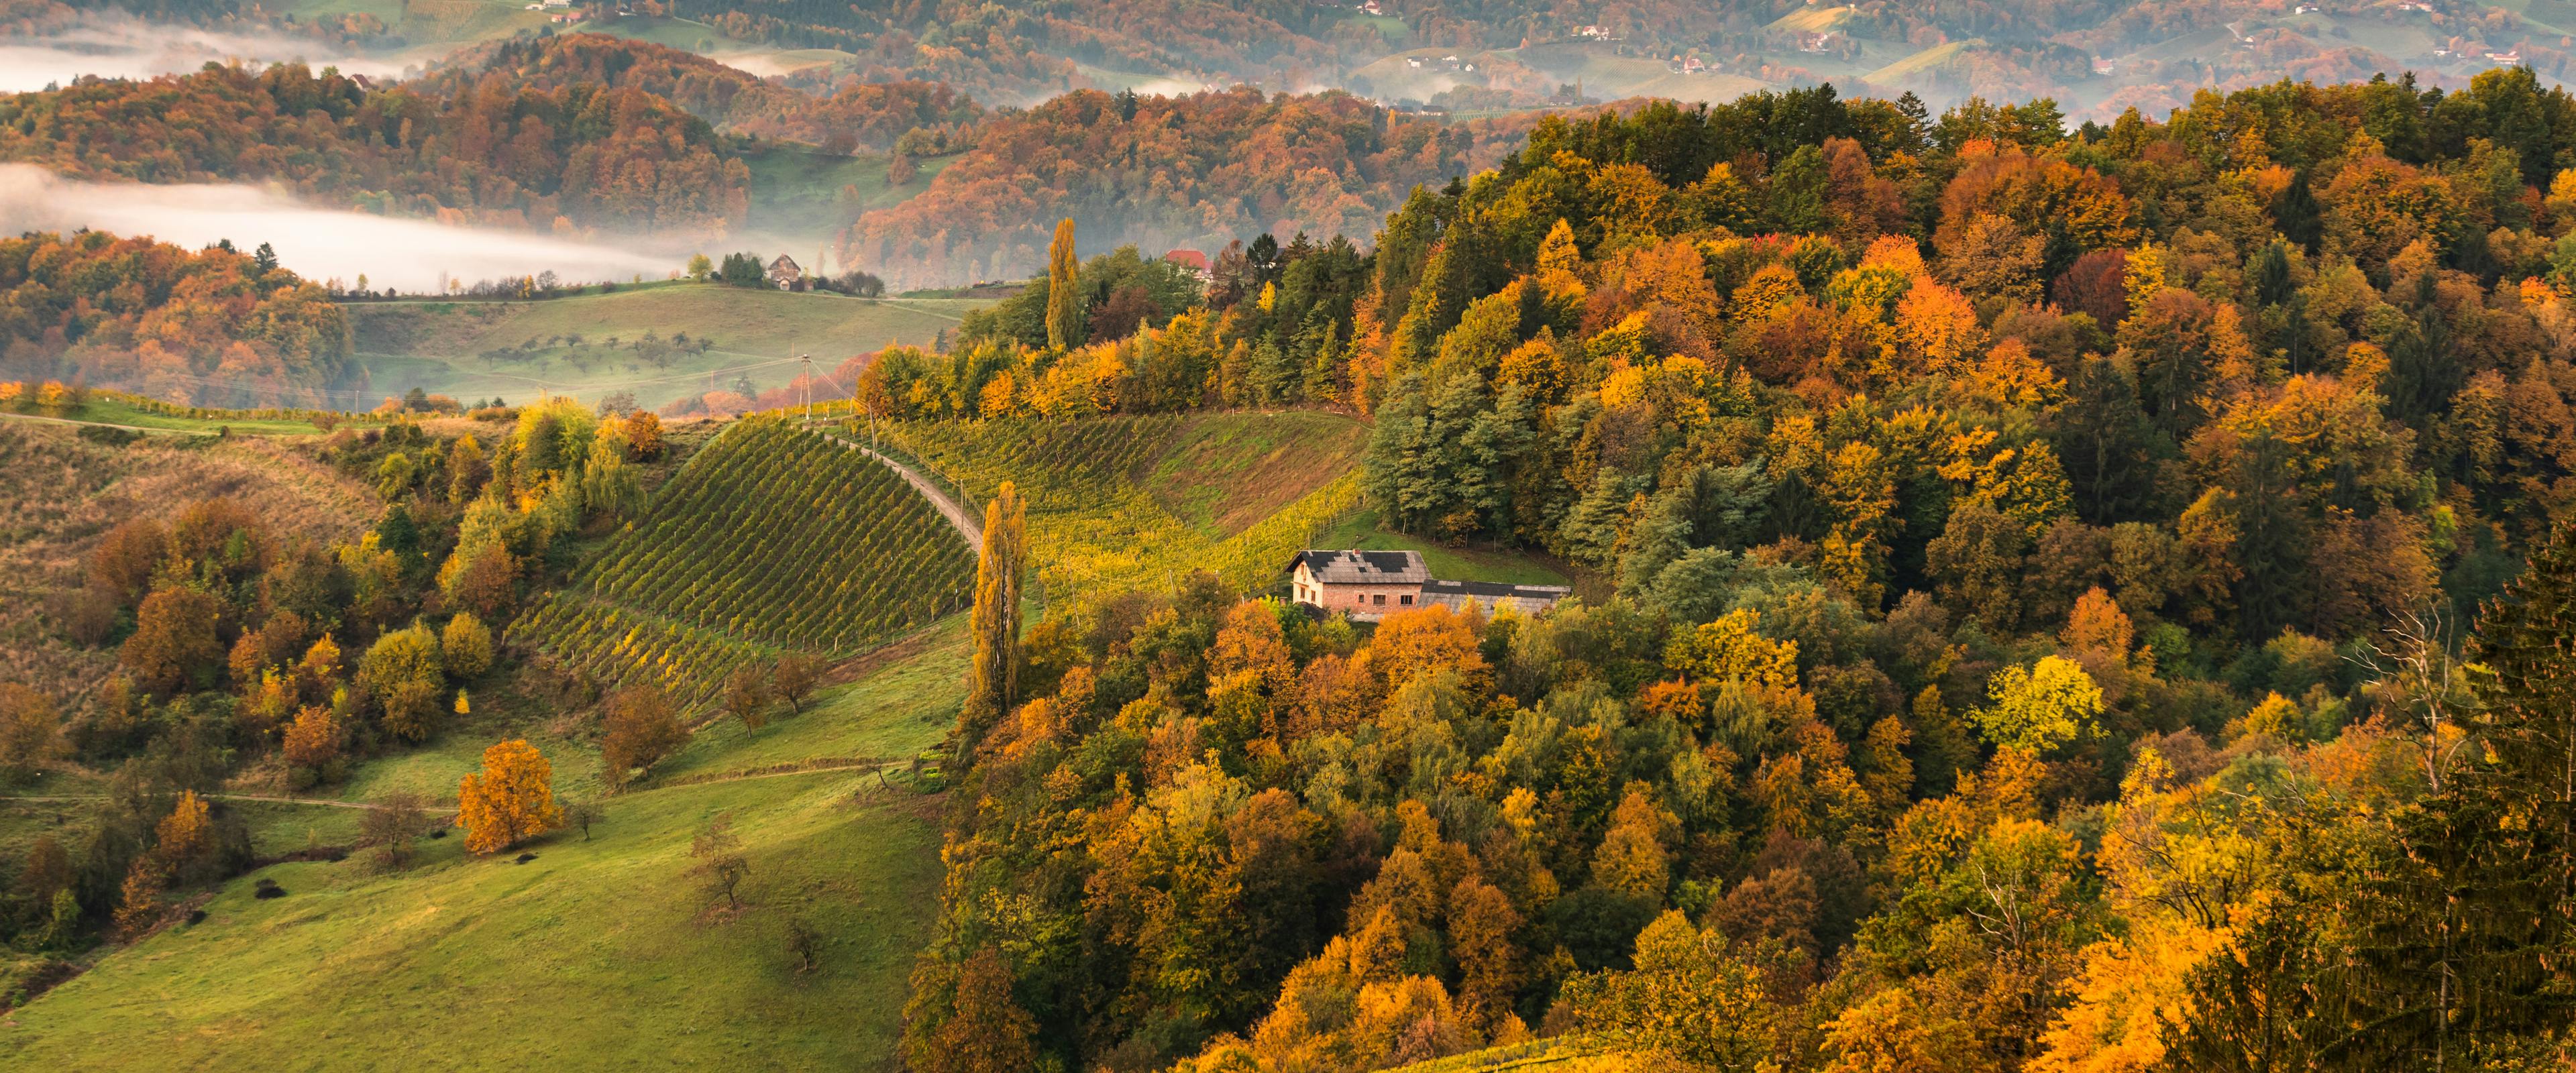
x,y
471,350
598,954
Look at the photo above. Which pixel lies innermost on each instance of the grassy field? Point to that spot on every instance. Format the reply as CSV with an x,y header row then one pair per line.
x,y
119,412
1814,20
1924,62
472,350
599,954
894,711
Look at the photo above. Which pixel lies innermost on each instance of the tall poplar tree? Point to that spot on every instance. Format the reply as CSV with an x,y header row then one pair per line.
x,y
993,683
1063,304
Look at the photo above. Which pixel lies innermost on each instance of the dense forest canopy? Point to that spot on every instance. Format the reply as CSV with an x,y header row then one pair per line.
x,y
1192,171
2036,576
846,114
212,324
487,149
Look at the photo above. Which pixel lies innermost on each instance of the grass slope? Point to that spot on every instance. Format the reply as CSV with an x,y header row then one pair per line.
x,y
1123,501
471,350
1924,62
596,955
769,540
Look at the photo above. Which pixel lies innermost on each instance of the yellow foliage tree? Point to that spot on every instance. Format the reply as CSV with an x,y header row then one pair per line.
x,y
511,800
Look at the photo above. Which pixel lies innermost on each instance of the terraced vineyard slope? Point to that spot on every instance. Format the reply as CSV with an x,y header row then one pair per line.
x,y
771,540
1121,501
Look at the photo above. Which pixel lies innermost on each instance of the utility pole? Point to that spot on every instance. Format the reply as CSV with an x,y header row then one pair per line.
x,y
808,359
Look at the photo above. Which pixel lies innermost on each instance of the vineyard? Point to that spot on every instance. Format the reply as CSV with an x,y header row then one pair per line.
x,y
1110,498
770,540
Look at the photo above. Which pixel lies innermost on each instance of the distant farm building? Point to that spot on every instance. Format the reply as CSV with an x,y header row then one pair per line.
x,y
785,274
1193,260
1367,584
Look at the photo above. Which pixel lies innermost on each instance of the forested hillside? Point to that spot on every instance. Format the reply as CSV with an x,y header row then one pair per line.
x,y
839,117
1194,171
211,325
2060,581
492,151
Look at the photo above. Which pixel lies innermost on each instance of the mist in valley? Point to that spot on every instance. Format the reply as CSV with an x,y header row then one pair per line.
x,y
319,244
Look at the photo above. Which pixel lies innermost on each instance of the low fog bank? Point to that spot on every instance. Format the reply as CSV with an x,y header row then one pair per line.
x,y
121,46
318,244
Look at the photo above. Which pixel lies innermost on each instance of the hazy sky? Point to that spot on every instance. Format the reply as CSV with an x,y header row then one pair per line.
x,y
316,243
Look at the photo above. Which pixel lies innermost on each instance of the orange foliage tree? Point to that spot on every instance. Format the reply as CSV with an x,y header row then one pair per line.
x,y
510,801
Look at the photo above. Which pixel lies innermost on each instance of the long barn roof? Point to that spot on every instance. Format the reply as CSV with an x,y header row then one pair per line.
x,y
1364,567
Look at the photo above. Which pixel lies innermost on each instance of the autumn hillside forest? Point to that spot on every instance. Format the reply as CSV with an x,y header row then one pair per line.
x,y
2000,538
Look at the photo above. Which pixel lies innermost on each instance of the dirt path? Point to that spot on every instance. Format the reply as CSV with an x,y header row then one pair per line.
x,y
958,518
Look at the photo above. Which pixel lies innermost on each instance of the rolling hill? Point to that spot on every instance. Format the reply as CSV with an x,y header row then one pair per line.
x,y
771,540
512,350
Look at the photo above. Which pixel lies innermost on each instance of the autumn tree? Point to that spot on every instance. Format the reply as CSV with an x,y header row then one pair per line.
x,y
1685,999
721,864
747,695
138,904
465,646
185,840
174,644
404,673
510,801
1064,303
390,825
992,683
794,678
30,731
2040,708
985,1030
642,728
313,739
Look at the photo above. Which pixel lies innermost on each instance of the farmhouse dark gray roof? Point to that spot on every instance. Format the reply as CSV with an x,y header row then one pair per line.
x,y
1364,567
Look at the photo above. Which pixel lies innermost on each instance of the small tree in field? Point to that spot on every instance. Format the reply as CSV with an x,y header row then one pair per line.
x,y
510,801
805,945
584,815
747,694
390,827
642,729
721,864
796,677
